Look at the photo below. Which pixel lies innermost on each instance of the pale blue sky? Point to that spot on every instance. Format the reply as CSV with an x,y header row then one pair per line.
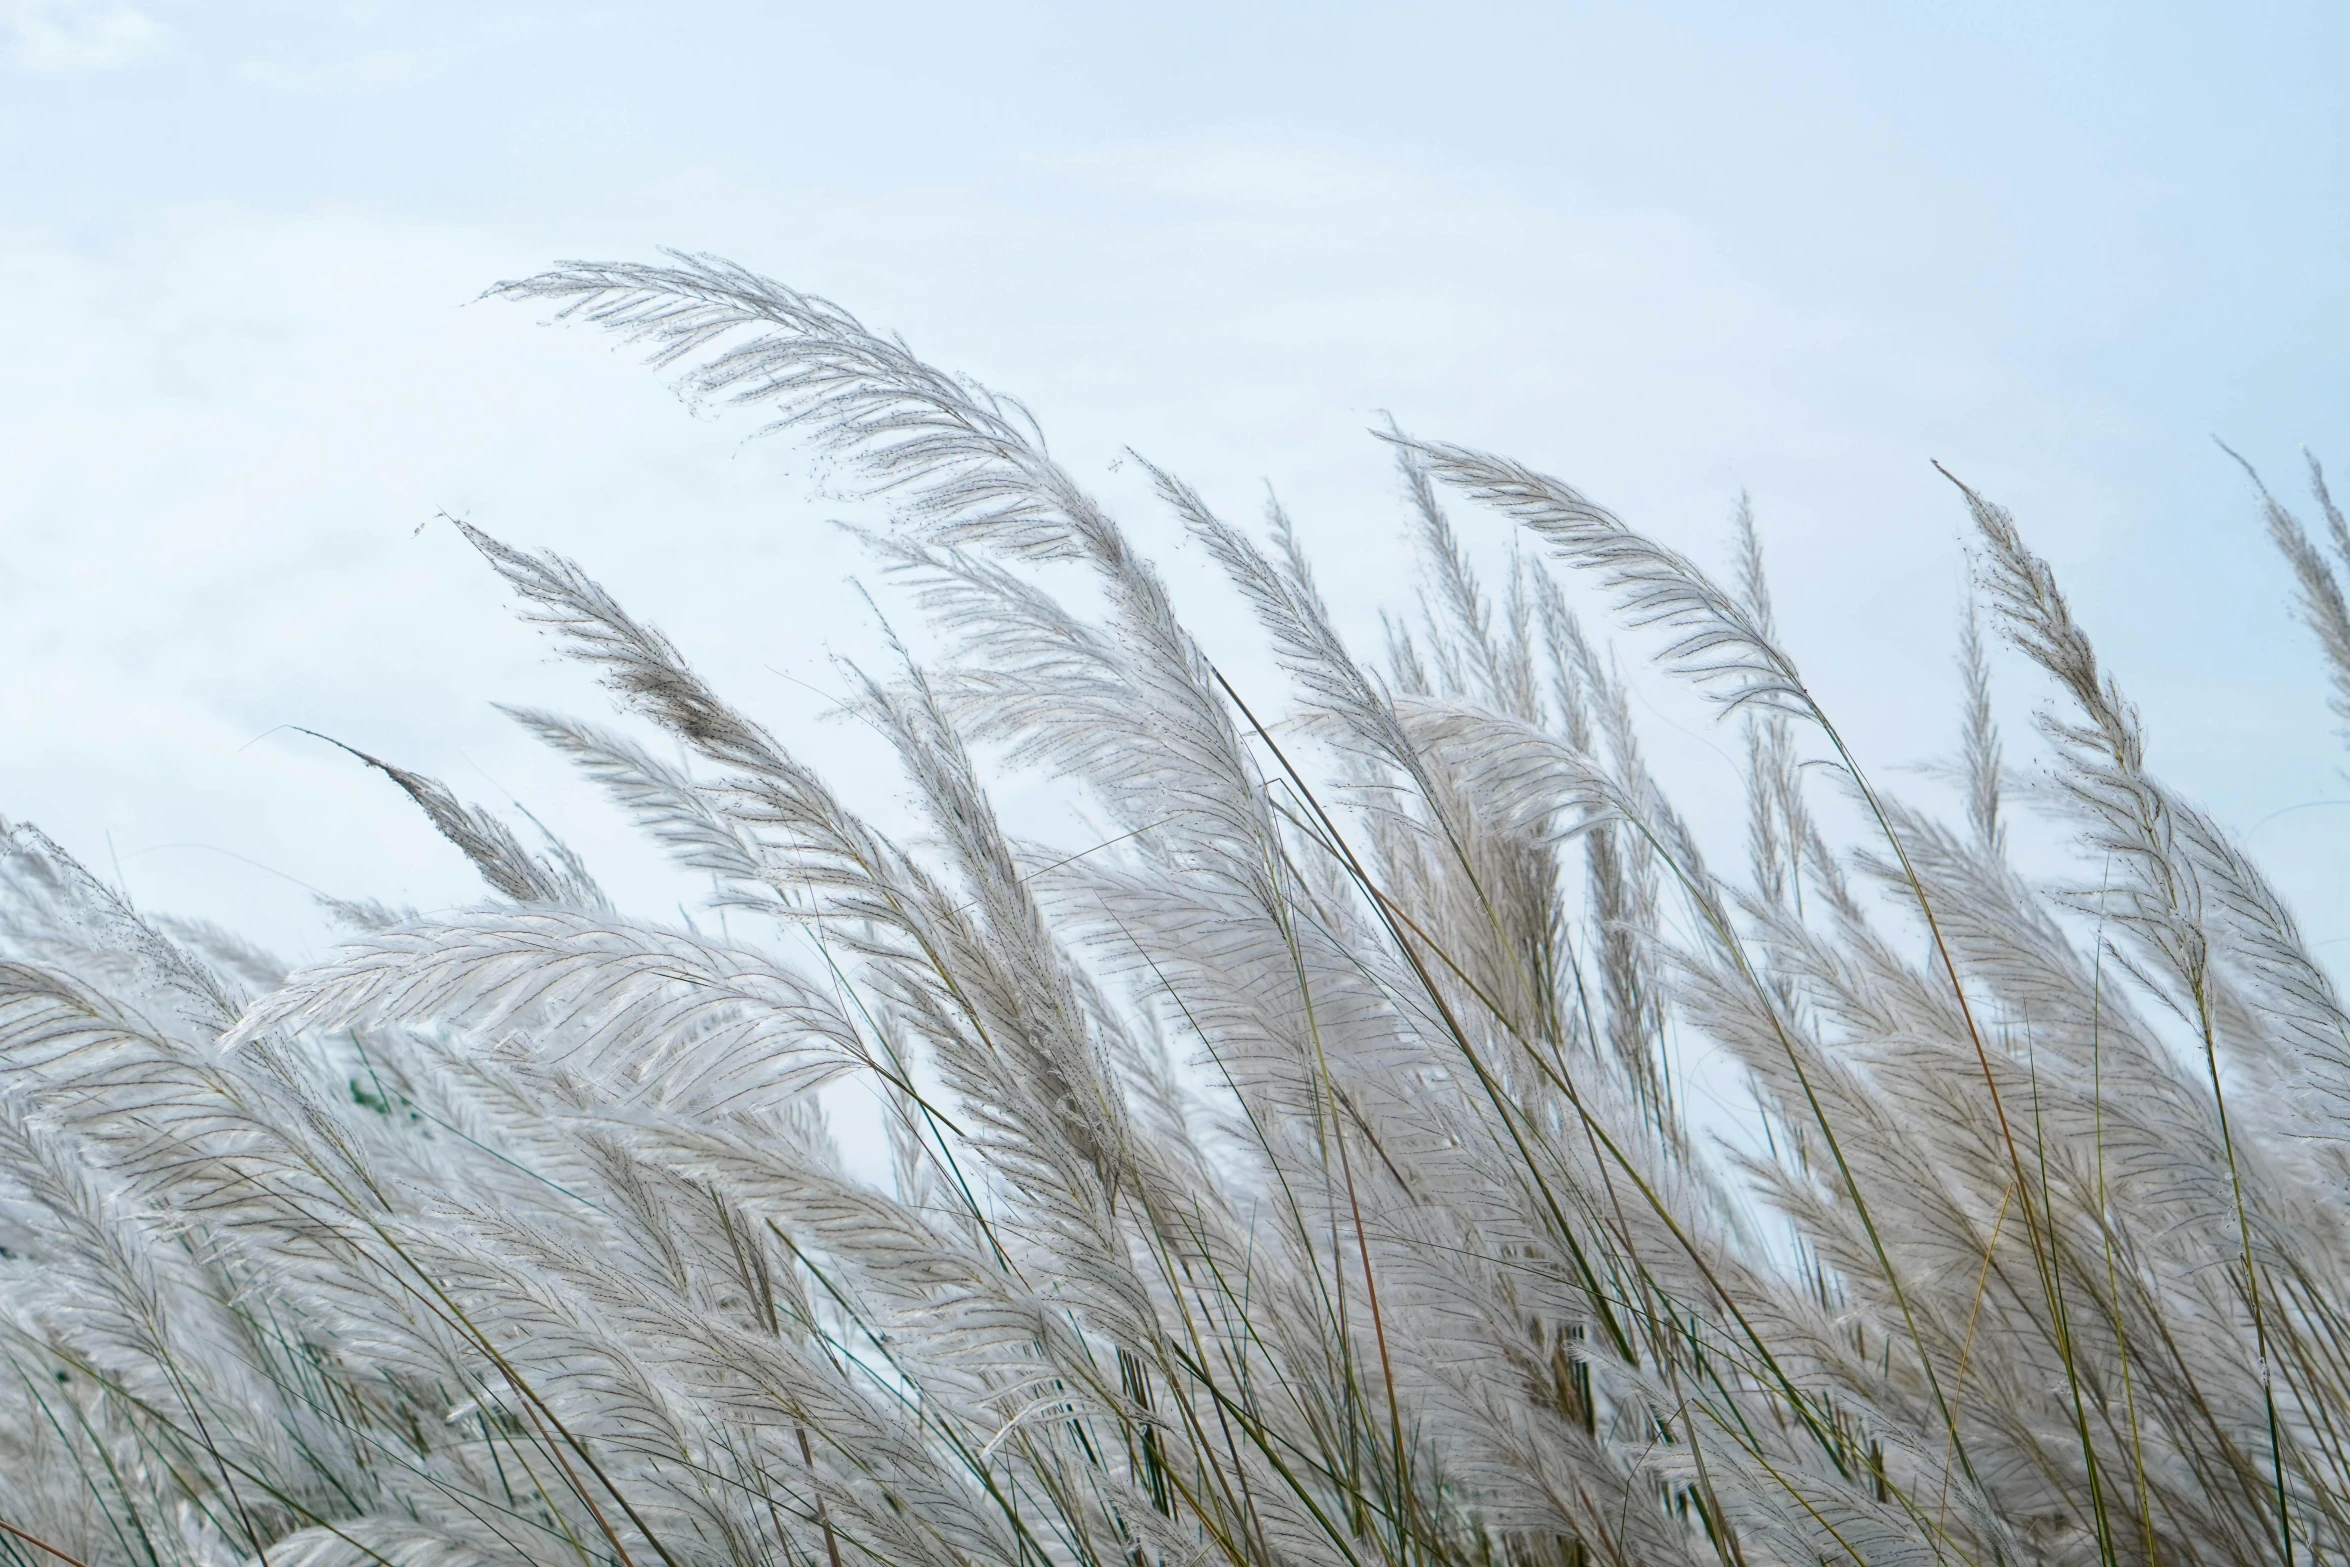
x,y
1667,251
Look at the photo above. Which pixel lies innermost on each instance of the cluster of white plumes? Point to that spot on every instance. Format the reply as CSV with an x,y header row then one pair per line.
x,y
1300,1181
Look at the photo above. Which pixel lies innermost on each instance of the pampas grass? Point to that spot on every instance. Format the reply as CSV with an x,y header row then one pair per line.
x,y
1301,1178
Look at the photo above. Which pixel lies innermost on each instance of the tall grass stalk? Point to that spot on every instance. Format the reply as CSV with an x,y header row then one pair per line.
x,y
1301,1175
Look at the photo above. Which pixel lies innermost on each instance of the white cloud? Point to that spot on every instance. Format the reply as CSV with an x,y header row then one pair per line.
x,y
69,35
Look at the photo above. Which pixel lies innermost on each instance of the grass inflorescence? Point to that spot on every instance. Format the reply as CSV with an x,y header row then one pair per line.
x,y
1301,1176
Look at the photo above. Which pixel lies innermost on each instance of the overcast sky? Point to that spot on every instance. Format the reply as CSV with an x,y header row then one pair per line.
x,y
1665,251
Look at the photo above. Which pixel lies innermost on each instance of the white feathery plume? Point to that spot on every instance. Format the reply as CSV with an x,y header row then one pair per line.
x,y
1299,1177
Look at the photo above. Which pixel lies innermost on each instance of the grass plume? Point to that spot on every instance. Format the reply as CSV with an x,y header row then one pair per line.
x,y
1303,1177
